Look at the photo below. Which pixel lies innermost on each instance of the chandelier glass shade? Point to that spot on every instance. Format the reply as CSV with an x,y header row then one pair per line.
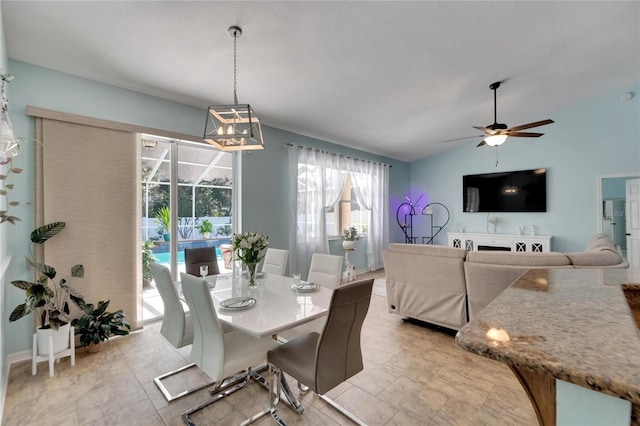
x,y
233,127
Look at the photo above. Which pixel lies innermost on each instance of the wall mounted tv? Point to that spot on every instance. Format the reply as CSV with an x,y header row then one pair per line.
x,y
517,191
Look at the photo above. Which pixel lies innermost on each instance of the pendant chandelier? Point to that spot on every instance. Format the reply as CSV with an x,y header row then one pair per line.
x,y
233,127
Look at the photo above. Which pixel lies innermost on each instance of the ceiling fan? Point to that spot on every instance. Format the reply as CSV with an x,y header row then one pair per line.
x,y
496,134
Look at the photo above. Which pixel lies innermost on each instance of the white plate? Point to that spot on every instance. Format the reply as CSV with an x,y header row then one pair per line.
x,y
304,287
238,303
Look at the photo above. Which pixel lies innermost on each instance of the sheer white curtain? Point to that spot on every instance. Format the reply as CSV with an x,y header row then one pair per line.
x,y
370,183
317,182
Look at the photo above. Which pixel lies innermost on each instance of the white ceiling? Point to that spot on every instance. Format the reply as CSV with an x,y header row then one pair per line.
x,y
389,77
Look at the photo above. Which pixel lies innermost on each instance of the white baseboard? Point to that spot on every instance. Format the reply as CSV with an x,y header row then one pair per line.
x,y
18,357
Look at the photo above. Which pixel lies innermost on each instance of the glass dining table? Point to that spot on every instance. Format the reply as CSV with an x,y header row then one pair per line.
x,y
278,306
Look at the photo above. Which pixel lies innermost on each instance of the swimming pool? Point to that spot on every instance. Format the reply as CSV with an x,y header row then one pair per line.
x,y
164,257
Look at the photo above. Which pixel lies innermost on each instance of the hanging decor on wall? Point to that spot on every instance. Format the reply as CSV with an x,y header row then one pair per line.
x,y
9,148
405,217
233,127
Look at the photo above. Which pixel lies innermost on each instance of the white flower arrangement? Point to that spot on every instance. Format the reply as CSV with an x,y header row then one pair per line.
x,y
494,221
249,247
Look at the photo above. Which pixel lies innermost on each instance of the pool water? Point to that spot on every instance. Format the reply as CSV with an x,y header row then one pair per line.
x,y
164,257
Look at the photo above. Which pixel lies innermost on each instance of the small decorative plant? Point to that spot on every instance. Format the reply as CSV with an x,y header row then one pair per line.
x,y
494,221
97,325
164,217
147,259
205,227
50,299
350,234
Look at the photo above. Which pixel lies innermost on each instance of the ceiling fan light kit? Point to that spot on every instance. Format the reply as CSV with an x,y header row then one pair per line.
x,y
233,127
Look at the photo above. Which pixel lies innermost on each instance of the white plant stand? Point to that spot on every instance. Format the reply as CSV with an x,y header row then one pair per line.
x,y
51,356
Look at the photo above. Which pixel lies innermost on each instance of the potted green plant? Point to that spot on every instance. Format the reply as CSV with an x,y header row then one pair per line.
x,y
164,217
147,259
205,228
97,325
47,297
349,238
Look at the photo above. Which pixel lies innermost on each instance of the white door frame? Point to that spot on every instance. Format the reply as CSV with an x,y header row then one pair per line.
x,y
599,178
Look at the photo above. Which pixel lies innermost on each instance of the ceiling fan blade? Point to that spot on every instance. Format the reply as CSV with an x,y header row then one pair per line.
x,y
530,125
523,134
467,137
482,129
481,143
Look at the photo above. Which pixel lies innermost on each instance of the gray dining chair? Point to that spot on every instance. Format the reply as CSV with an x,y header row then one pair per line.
x,y
177,326
275,261
324,360
203,256
227,358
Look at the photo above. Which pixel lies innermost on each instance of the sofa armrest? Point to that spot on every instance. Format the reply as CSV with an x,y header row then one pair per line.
x,y
426,287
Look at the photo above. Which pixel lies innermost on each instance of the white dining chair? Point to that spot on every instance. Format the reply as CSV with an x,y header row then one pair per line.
x,y
177,326
325,270
275,261
227,358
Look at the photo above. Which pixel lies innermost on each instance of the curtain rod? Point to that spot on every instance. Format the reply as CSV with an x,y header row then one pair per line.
x,y
339,155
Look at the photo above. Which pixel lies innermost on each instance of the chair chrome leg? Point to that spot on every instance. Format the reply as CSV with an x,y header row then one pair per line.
x,y
277,379
274,399
227,387
165,391
343,410
302,388
290,398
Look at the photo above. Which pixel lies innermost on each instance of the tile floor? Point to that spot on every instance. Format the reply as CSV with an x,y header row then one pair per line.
x,y
413,375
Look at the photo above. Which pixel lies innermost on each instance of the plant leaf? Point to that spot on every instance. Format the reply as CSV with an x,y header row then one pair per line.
x,y
14,203
77,271
9,186
19,312
3,177
24,285
17,170
3,192
42,234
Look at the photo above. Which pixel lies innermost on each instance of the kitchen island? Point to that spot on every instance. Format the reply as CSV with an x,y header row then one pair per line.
x,y
570,337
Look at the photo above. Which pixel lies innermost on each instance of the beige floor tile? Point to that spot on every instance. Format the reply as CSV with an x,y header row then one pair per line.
x,y
413,375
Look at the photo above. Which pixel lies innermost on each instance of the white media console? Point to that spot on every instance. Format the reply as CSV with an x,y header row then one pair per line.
x,y
506,242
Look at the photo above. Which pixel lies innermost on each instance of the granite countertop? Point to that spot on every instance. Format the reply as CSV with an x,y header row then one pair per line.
x,y
572,324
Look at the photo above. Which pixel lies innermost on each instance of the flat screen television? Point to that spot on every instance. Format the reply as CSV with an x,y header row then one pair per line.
x,y
517,191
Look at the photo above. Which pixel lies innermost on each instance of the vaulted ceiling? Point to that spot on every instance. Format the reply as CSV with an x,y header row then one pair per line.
x,y
390,77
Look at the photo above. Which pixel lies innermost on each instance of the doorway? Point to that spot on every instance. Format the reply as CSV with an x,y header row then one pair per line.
x,y
611,207
187,193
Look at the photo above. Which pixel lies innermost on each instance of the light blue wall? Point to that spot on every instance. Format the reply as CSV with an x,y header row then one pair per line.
x,y
265,177
597,137
613,188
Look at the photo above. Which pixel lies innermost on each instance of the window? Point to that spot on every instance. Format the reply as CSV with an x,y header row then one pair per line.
x,y
347,213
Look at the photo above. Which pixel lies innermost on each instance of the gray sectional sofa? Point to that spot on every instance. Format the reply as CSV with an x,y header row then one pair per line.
x,y
449,286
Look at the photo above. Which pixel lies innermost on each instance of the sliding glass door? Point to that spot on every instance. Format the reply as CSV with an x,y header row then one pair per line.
x,y
187,191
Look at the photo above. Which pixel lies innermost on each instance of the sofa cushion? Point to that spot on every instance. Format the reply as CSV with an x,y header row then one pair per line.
x,y
550,259
596,257
600,240
427,249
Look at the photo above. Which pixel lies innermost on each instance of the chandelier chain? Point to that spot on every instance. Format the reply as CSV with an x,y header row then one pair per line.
x,y
235,74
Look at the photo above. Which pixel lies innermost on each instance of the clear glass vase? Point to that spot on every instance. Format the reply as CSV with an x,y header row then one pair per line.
x,y
251,270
